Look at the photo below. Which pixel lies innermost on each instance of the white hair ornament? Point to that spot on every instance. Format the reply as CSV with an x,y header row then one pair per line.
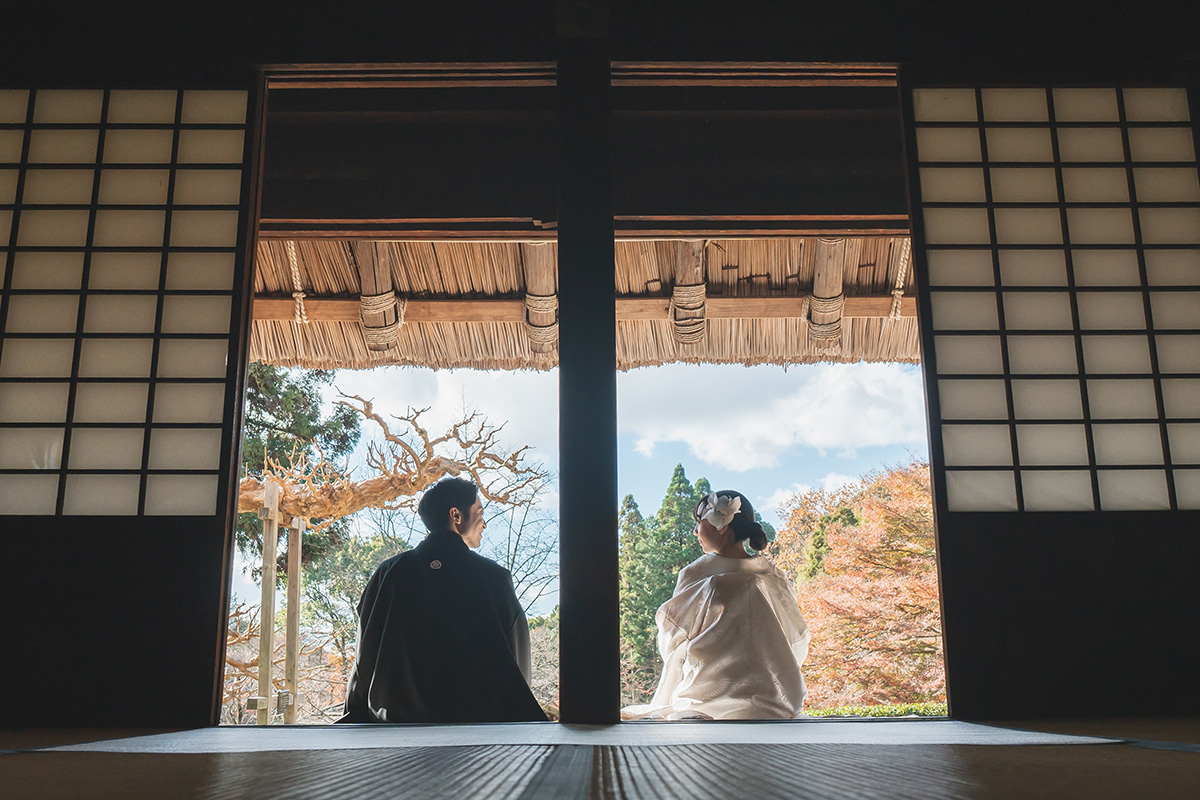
x,y
719,510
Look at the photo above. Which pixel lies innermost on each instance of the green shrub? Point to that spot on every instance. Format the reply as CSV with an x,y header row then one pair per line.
x,y
887,710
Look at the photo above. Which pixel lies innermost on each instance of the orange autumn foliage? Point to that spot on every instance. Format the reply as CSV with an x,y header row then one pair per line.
x,y
867,585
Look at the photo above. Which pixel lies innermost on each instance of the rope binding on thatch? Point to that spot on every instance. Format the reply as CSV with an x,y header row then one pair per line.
x,y
298,295
901,272
542,304
382,335
693,301
826,331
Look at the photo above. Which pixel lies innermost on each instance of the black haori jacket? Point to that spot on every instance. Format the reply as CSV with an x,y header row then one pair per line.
x,y
441,638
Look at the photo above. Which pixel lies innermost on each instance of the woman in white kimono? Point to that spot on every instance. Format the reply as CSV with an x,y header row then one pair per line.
x,y
732,638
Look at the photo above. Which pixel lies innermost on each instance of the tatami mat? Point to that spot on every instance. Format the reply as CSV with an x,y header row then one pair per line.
x,y
248,739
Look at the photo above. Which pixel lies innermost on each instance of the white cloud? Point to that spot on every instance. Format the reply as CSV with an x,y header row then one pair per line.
x,y
745,418
836,480
781,496
644,447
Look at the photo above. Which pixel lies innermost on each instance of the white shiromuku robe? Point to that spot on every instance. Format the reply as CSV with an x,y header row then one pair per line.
x,y
732,641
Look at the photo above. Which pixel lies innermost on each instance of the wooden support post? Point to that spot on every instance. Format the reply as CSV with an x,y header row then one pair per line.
x,y
541,316
589,642
827,304
377,299
269,514
689,308
291,656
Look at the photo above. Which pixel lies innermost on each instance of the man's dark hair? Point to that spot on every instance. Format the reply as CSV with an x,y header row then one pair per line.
x,y
448,493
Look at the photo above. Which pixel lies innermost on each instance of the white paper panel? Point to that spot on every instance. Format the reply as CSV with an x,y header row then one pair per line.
x,y
1045,445
1015,185
960,268
33,402
58,186
183,495
63,147
1057,490
1085,105
125,271
28,494
14,105
134,186
120,313
115,358
1173,267
8,185
189,402
1111,310
1187,488
1178,353
11,143
1015,105
1033,268
1164,225
1042,355
1175,309
144,106
106,448
195,314
1156,105
981,491
1018,144
1181,397
1184,438
1105,267
214,107
976,445
62,106
111,402
1046,399
37,358
210,147
1127,444
192,358
1095,185
972,399
1161,144
952,185
180,448
1167,185
204,228
1122,399
944,105
42,313
110,495
138,147
121,228
200,271
964,310
1116,354
208,187
1100,225
33,270
53,229
1090,144
31,448
1037,310
1028,226
1133,490
936,144
956,226
968,354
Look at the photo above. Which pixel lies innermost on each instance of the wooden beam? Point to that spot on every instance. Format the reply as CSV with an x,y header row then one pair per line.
x,y
375,278
628,308
538,261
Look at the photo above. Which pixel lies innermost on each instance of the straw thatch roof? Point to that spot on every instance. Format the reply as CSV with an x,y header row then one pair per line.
x,y
436,278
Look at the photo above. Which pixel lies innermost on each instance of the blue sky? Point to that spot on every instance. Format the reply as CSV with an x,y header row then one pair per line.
x,y
764,431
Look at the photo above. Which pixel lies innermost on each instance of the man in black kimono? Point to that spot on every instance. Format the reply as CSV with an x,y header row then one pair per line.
x,y
441,634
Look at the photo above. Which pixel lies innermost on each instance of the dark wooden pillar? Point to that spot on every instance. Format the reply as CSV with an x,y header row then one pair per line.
x,y
589,664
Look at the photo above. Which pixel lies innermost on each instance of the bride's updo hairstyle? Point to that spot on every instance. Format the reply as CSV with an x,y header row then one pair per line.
x,y
743,525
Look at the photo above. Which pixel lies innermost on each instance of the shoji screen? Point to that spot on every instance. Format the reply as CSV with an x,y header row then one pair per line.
x,y
1061,232
119,223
